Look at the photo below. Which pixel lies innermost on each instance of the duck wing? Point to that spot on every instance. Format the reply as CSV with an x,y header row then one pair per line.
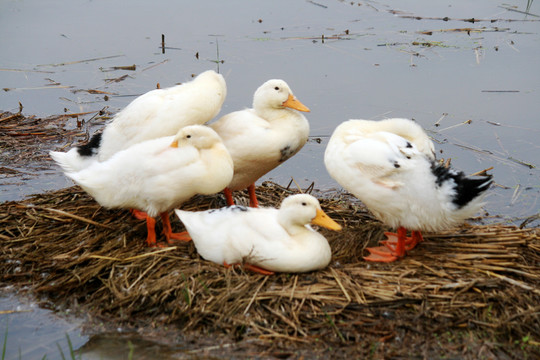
x,y
383,158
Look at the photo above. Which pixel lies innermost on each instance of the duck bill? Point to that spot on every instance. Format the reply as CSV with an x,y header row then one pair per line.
x,y
293,103
174,144
321,219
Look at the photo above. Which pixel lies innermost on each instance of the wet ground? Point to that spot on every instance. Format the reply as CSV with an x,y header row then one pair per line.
x,y
466,71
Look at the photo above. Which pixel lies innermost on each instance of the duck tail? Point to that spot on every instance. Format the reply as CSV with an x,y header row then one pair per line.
x,y
79,157
466,189
91,148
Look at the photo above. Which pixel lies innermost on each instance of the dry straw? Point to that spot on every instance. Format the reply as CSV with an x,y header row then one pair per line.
x,y
476,282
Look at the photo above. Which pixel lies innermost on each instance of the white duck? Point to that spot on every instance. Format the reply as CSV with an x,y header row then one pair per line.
x,y
155,114
160,174
390,166
261,138
263,239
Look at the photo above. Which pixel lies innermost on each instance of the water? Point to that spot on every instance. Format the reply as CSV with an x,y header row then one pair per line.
x,y
373,63
33,332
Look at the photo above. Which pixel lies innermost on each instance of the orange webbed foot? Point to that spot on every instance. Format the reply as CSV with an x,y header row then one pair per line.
x,y
159,245
169,235
138,214
392,240
258,269
380,254
251,267
182,236
394,247
410,242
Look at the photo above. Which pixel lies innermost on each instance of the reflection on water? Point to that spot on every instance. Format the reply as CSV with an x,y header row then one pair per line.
x,y
114,346
418,59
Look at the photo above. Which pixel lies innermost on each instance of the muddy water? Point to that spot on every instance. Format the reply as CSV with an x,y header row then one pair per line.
x,y
473,85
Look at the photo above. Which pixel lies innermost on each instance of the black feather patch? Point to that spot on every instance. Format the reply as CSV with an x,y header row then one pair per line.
x,y
233,208
286,153
239,208
92,147
466,188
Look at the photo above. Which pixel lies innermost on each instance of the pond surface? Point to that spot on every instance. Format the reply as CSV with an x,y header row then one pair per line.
x,y
474,85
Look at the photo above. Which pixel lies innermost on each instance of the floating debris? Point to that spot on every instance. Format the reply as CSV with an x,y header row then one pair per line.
x,y
93,91
520,11
520,162
404,15
81,61
465,30
163,43
26,141
466,122
500,91
317,4
40,87
154,65
114,68
438,123
116,80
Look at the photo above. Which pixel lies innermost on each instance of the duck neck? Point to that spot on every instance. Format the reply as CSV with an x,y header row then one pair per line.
x,y
289,223
271,114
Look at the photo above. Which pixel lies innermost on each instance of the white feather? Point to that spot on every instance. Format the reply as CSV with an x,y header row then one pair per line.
x,y
72,161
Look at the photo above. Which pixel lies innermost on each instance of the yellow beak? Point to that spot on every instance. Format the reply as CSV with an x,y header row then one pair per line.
x,y
293,103
325,221
174,144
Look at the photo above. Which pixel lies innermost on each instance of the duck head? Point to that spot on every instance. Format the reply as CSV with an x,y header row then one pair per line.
x,y
276,94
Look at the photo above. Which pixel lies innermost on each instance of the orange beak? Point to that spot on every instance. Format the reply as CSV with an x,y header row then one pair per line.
x,y
293,103
174,144
324,220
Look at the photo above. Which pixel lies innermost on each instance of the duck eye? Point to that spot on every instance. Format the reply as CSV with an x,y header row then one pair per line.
x,y
188,136
276,88
304,204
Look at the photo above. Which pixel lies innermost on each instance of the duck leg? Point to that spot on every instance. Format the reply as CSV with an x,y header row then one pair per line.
x,y
228,196
251,267
138,214
416,237
151,231
253,202
392,249
167,230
